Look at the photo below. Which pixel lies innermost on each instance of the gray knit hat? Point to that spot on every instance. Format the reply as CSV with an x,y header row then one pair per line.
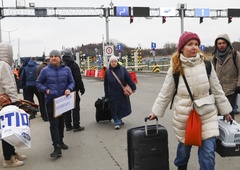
x,y
67,52
55,52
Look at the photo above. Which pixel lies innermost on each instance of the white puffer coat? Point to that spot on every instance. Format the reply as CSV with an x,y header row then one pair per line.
x,y
7,81
196,75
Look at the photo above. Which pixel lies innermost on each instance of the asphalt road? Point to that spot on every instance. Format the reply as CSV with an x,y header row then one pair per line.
x,y
99,146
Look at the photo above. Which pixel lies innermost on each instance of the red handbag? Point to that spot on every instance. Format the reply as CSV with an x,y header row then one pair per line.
x,y
193,132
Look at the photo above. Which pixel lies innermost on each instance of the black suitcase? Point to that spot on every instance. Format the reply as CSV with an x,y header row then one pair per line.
x,y
102,110
148,147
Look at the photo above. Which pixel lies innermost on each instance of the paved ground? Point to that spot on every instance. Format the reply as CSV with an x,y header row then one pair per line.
x,y
99,146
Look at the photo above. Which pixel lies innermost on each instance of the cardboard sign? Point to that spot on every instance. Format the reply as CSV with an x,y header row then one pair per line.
x,y
63,104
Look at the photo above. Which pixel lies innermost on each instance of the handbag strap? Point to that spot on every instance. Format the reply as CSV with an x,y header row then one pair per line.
x,y
186,83
117,79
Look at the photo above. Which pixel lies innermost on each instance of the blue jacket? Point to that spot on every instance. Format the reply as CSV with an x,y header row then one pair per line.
x,y
28,76
55,78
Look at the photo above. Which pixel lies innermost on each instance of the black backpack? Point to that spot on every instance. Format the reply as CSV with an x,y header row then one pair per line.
x,y
177,74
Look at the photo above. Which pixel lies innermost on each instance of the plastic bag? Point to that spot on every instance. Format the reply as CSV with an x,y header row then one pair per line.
x,y
193,134
15,127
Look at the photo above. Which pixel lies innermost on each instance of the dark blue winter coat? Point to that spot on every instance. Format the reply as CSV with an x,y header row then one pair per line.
x,y
55,78
119,103
28,76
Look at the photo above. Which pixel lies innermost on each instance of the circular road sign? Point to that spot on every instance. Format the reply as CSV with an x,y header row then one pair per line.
x,y
109,50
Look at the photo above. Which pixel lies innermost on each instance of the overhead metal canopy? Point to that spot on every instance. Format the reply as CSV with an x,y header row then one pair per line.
x,y
89,12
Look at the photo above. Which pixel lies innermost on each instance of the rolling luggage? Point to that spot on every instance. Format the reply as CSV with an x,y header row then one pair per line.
x,y
102,110
228,142
148,147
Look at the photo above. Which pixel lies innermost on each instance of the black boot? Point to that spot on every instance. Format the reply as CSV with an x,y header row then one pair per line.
x,y
57,152
183,167
63,145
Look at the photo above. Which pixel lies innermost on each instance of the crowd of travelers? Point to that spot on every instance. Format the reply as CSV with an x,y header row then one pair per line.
x,y
59,75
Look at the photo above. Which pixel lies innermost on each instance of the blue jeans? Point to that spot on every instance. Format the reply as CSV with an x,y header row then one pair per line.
x,y
235,108
206,154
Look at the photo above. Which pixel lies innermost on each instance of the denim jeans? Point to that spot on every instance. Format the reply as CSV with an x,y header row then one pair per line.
x,y
206,154
235,108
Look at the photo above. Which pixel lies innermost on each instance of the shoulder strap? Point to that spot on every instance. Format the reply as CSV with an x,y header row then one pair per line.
x,y
188,88
235,59
117,79
177,74
176,80
208,67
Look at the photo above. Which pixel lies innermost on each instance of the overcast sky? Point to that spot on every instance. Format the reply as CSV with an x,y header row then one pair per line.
x,y
38,35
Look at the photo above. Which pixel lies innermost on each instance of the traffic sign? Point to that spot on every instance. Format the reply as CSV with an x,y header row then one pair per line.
x,y
109,50
233,12
122,11
153,45
202,12
119,47
202,47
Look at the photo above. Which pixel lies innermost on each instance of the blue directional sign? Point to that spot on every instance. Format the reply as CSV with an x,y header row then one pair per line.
x,y
202,12
202,47
153,45
119,47
122,11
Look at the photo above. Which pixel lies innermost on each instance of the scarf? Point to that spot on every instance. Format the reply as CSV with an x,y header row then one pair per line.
x,y
222,55
192,61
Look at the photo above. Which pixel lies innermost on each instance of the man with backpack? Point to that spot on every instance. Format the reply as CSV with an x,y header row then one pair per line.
x,y
28,80
227,65
72,117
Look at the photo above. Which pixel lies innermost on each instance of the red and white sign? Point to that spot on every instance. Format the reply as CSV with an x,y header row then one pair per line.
x,y
109,50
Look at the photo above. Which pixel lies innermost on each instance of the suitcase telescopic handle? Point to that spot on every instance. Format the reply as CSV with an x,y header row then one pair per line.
x,y
148,118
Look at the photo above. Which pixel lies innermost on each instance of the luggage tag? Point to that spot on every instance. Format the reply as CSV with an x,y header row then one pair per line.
x,y
147,118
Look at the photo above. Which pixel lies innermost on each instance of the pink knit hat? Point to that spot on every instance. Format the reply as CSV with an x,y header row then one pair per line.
x,y
113,58
185,37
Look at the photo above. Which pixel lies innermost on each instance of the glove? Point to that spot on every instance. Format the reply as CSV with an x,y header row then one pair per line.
x,y
237,90
82,92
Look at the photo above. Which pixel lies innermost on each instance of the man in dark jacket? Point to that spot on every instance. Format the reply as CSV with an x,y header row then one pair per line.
x,y
24,64
227,67
74,115
55,80
28,80
41,94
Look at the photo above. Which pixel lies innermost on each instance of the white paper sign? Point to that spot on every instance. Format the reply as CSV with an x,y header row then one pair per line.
x,y
64,103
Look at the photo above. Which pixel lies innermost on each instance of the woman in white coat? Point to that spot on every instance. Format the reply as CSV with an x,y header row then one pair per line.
x,y
189,62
